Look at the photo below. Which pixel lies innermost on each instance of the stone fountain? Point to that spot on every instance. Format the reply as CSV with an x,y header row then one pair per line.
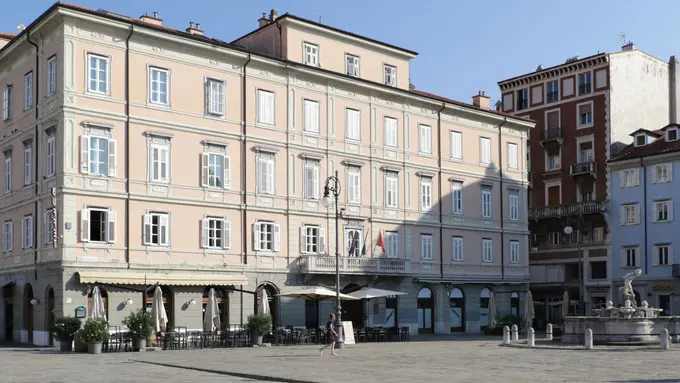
x,y
628,324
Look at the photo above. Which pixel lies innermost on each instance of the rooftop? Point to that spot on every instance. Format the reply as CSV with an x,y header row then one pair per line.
x,y
7,35
545,70
657,147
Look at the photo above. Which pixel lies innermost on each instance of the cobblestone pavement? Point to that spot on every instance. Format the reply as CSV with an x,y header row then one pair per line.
x,y
448,359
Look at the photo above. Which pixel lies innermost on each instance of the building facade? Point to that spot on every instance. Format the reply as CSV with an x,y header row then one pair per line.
x,y
584,111
643,227
187,162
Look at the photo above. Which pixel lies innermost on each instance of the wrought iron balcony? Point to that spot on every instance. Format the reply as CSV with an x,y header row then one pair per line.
x,y
551,134
584,168
572,209
595,237
323,264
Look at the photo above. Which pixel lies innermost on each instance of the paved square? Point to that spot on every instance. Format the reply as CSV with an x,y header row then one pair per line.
x,y
449,359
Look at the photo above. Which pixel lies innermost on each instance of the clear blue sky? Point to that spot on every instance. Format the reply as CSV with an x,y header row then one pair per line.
x,y
463,46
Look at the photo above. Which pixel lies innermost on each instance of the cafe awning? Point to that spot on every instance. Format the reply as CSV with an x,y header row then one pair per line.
x,y
124,277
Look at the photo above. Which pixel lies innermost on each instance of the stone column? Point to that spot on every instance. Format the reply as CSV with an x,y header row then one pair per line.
x,y
506,335
515,332
589,339
548,332
531,337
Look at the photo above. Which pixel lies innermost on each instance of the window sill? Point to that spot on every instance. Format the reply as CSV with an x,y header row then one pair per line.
x,y
152,247
456,159
662,221
427,260
159,105
98,94
265,124
100,245
212,249
159,182
311,132
215,115
458,262
265,253
579,127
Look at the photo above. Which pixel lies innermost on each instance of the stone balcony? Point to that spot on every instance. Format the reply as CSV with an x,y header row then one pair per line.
x,y
322,264
486,273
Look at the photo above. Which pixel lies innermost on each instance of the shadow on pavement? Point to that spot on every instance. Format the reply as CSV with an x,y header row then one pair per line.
x,y
227,373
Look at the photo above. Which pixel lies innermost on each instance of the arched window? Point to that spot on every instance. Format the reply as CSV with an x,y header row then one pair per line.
x,y
425,311
457,305
514,303
484,308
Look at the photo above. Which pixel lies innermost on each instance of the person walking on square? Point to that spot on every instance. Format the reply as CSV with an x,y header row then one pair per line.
x,y
331,336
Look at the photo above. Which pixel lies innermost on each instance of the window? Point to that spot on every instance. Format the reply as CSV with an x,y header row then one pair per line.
x,y
98,225
662,255
352,65
311,52
353,124
485,150
426,247
7,236
353,242
27,232
267,236
390,75
159,85
672,134
425,138
265,107
156,229
512,155
215,97
49,227
584,83
586,152
7,103
522,99
457,249
553,162
28,91
215,233
312,239
629,178
585,115
216,170
554,238
390,125
662,173
514,252
487,250
51,149
354,185
663,211
629,214
486,202
456,145
391,244
640,139
514,205
391,190
310,180
629,257
28,165
159,163
310,115
98,74
457,197
8,172
265,175
51,76
98,155
598,270
553,91
425,194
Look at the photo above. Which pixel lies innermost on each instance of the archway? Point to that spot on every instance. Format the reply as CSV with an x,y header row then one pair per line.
x,y
50,318
105,301
353,310
272,301
28,312
425,311
514,303
457,304
222,304
484,308
8,301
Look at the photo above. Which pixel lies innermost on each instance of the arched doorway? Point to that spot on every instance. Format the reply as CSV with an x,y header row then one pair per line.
x,y
352,310
105,300
28,312
457,304
222,306
50,318
272,301
168,303
484,308
514,303
8,302
425,311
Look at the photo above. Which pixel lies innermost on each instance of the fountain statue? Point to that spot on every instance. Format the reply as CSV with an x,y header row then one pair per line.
x,y
626,291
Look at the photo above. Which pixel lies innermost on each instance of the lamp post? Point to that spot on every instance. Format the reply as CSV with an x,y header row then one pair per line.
x,y
332,188
581,290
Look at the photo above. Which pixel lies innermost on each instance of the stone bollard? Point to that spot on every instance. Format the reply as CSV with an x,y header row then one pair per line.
x,y
665,340
531,337
548,332
506,335
515,332
589,339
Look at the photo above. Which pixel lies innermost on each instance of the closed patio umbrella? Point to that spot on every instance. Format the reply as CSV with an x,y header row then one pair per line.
x,y
565,304
528,309
492,311
211,317
97,304
264,302
158,310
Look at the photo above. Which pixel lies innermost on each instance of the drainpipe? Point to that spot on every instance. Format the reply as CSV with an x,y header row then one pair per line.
x,y
36,151
280,40
439,191
644,207
127,151
244,171
500,173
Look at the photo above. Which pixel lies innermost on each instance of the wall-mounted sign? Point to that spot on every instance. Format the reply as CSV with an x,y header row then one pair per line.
x,y
663,286
81,312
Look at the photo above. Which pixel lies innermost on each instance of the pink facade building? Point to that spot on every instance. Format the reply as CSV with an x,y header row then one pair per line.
x,y
188,162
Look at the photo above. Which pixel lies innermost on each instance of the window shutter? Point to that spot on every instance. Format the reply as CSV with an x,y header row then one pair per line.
x,y
227,172
655,256
204,233
85,225
257,234
111,232
322,240
204,169
670,254
655,211
622,178
164,229
637,213
270,177
10,247
303,240
27,166
670,210
227,234
112,158
84,154
315,117
306,115
46,228
207,84
395,245
147,229
315,182
655,171
277,237
622,257
622,215
669,167
151,158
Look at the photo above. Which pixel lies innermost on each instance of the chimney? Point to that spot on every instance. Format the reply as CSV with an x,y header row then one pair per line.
x,y
481,100
273,14
263,20
411,86
151,19
628,47
194,29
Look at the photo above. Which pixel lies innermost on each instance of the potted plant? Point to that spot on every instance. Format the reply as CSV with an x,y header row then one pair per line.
x,y
258,326
140,325
95,333
64,331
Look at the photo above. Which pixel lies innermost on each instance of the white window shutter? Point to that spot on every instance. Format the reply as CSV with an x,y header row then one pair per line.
x,y
670,171
46,228
303,240
207,90
164,231
112,158
637,176
147,229
655,212
655,256
322,241
622,178
204,233
670,210
84,154
227,234
277,237
151,155
637,213
622,215
315,183
227,172
29,236
111,228
270,177
670,255
27,166
395,246
204,169
654,173
257,234
85,225
10,247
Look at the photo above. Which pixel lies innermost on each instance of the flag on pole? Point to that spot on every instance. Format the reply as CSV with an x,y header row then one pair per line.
x,y
381,243
363,248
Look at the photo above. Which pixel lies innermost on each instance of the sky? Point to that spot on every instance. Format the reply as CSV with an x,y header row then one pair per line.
x,y
463,46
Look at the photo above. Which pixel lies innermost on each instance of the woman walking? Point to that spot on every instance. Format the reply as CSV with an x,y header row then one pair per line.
x,y
331,335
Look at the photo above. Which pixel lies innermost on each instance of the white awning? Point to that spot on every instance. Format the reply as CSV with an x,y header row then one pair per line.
x,y
123,277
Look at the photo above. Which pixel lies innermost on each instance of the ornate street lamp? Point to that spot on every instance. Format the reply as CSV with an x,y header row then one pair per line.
x,y
332,188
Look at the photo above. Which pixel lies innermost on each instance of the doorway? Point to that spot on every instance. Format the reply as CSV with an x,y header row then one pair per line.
x,y
484,308
391,311
457,305
222,307
514,304
353,310
8,299
50,315
425,311
272,301
665,304
28,311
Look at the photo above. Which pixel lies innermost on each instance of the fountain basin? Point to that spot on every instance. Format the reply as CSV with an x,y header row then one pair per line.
x,y
619,330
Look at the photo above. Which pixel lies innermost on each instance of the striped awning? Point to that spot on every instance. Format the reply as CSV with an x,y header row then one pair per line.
x,y
124,277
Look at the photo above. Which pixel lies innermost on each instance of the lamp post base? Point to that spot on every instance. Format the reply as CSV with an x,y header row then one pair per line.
x,y
340,343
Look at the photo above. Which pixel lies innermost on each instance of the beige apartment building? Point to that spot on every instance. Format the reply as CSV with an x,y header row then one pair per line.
x,y
188,162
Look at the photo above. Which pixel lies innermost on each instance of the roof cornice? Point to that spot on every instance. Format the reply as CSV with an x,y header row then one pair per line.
x,y
555,71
